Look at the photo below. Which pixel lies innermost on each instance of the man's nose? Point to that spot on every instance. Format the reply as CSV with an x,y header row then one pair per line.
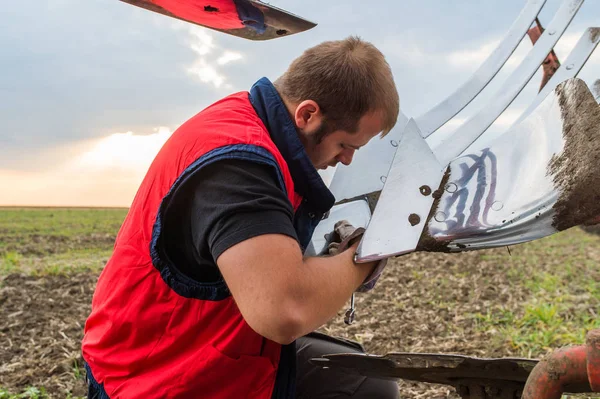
x,y
346,156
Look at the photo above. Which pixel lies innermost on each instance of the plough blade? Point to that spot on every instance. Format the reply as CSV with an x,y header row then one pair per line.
x,y
486,190
248,19
405,201
504,194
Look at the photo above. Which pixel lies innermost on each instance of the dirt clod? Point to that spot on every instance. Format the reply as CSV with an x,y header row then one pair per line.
x,y
575,170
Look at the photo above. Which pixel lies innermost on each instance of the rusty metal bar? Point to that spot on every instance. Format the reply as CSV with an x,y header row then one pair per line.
x,y
570,366
551,63
593,359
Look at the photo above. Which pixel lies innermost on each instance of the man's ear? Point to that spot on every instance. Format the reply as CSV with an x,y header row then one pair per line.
x,y
308,116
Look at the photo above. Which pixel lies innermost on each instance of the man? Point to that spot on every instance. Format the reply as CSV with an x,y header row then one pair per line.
x,y
207,294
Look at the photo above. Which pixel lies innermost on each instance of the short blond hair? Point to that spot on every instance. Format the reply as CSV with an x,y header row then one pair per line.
x,y
347,78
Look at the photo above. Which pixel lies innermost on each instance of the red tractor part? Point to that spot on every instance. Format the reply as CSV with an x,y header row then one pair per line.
x,y
551,63
248,19
570,369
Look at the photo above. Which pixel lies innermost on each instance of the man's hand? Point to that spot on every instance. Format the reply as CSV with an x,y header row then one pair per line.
x,y
345,236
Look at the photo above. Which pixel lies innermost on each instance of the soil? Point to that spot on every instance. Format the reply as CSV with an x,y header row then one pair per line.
x,y
41,326
575,170
423,303
40,245
594,33
42,318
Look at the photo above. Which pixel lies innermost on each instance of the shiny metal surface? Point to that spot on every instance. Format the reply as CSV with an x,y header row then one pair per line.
x,y
496,194
569,69
356,212
370,165
405,200
464,136
433,119
278,22
502,193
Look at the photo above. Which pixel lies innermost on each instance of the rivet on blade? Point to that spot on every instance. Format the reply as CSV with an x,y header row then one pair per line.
x,y
383,179
414,219
440,217
451,187
497,205
394,143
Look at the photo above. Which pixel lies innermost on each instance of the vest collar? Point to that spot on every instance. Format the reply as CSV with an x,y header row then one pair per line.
x,y
272,111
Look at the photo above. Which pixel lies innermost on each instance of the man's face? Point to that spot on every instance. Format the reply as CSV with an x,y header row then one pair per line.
x,y
326,150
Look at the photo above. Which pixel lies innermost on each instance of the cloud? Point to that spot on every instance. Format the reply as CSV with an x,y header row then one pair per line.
x,y
474,57
229,56
104,172
207,65
202,42
124,151
207,73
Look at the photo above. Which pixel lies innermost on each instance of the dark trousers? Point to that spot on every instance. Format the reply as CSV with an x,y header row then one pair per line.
x,y
316,383
313,382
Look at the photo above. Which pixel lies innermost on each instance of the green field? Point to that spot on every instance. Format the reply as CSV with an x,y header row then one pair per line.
x,y
540,296
56,240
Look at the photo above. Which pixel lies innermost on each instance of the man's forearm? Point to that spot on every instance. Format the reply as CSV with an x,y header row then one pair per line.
x,y
283,296
325,285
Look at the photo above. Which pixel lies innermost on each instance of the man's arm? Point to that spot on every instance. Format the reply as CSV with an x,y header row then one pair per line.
x,y
283,296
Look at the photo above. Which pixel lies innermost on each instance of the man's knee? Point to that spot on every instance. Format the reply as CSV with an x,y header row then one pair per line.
x,y
377,388
314,382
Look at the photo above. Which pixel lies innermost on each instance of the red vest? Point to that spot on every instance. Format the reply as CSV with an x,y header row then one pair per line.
x,y
149,334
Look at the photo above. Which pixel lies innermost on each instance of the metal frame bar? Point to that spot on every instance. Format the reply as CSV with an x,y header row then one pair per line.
x,y
572,66
437,116
464,136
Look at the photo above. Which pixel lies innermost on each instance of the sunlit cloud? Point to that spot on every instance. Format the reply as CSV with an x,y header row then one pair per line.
x,y
206,73
124,150
202,42
103,172
229,56
209,58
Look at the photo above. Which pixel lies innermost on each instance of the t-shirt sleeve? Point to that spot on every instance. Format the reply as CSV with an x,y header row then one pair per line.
x,y
234,200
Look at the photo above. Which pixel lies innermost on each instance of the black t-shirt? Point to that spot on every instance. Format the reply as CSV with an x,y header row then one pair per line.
x,y
224,204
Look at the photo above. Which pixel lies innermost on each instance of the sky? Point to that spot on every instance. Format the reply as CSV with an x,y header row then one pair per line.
x,y
90,90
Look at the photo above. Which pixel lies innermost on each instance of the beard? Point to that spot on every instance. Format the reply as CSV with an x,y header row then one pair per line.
x,y
312,140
